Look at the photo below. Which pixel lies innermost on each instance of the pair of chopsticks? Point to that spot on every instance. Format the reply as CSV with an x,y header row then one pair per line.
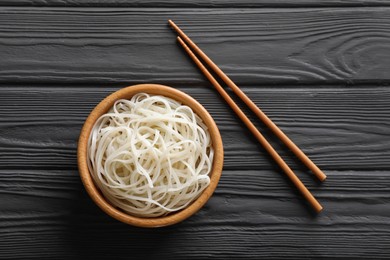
x,y
188,44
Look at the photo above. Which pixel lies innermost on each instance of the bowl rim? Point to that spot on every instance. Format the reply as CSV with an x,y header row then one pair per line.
x,y
94,191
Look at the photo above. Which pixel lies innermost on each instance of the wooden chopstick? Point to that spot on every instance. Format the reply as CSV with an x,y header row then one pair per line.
x,y
260,114
291,175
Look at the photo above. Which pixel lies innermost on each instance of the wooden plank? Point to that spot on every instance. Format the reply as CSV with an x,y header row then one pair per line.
x,y
197,3
254,213
255,46
339,128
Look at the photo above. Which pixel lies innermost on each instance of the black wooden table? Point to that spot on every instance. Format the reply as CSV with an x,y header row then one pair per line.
x,y
320,70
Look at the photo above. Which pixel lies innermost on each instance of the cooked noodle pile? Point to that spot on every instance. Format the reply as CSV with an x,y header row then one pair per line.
x,y
150,155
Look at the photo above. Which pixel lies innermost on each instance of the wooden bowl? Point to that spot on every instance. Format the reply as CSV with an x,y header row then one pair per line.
x,y
93,190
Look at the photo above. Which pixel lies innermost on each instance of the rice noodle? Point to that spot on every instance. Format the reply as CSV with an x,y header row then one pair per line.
x,y
150,155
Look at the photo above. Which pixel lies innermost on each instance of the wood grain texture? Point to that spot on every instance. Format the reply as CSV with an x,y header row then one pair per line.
x,y
253,46
196,3
254,213
338,128
320,73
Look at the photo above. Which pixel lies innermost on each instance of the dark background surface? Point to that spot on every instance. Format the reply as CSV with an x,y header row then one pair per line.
x,y
320,70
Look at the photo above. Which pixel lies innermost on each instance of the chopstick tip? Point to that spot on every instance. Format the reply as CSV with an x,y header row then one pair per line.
x,y
180,40
320,175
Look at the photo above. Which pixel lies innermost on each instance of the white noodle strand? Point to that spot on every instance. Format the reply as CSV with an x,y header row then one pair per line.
x,y
150,155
